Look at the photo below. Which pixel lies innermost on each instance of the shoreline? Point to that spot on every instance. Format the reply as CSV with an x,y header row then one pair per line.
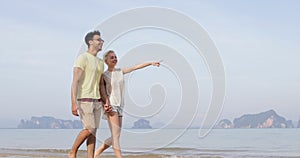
x,y
160,153
62,153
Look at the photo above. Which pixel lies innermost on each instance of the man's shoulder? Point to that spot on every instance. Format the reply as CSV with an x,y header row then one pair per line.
x,y
82,56
81,61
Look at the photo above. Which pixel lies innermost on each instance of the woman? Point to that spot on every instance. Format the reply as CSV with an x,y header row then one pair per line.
x,y
112,91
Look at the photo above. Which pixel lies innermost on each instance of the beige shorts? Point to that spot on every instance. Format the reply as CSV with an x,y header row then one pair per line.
x,y
90,113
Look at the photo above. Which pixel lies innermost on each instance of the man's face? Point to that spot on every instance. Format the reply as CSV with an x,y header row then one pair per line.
x,y
97,42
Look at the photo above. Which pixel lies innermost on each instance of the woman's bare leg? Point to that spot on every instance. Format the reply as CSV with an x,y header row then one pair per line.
x,y
108,142
115,129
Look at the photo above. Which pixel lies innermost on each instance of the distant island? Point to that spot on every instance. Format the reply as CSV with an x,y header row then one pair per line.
x,y
267,119
47,122
141,124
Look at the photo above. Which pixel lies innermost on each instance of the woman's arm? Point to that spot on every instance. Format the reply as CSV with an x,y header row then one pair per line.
x,y
140,66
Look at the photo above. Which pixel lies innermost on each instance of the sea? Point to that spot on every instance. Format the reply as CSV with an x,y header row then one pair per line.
x,y
169,143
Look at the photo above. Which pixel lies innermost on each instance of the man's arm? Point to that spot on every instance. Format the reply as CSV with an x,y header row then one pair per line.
x,y
77,73
104,96
139,66
102,89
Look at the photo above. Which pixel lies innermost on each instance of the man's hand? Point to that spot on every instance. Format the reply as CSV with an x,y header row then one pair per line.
x,y
75,110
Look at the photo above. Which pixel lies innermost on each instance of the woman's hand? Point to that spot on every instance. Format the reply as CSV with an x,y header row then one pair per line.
x,y
155,64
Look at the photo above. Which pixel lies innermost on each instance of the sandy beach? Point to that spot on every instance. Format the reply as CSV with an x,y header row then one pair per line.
x,y
59,153
221,143
53,153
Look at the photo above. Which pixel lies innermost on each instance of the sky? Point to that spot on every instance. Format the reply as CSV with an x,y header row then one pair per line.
x,y
258,42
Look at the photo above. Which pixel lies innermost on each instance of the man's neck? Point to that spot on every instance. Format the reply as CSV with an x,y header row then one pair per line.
x,y
92,52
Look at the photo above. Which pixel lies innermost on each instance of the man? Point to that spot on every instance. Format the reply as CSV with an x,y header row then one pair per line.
x,y
85,93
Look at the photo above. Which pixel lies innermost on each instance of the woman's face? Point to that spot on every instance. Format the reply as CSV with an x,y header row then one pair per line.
x,y
111,59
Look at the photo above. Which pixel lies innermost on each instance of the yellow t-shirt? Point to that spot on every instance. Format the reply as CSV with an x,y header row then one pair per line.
x,y
92,67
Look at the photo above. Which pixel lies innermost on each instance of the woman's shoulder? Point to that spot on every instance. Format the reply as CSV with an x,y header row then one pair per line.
x,y
118,69
106,73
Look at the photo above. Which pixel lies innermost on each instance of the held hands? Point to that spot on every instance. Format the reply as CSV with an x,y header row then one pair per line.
x,y
107,108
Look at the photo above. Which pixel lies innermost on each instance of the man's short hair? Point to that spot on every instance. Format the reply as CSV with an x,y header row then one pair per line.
x,y
89,36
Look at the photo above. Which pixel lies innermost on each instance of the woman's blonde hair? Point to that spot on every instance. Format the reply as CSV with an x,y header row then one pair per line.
x,y
105,55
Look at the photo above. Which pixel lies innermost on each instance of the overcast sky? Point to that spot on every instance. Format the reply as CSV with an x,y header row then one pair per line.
x,y
258,42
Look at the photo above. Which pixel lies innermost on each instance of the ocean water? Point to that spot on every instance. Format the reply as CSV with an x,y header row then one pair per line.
x,y
233,143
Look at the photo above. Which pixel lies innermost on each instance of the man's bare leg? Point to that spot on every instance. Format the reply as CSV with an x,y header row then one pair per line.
x,y
91,143
82,136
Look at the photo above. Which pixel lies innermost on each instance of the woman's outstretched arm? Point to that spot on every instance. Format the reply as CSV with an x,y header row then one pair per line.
x,y
139,66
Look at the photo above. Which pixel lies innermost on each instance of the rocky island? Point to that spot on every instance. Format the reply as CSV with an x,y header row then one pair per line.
x,y
267,119
141,124
47,122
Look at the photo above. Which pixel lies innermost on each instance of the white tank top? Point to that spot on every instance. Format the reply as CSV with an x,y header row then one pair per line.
x,y
115,86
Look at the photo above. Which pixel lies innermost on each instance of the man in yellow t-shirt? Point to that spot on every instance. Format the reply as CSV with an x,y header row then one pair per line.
x,y
85,93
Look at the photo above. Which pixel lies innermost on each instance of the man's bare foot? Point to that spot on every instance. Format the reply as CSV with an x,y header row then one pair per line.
x,y
71,155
